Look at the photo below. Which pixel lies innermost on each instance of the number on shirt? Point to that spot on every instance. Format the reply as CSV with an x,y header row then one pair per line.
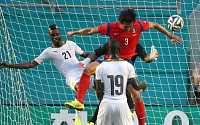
x,y
66,55
126,41
116,81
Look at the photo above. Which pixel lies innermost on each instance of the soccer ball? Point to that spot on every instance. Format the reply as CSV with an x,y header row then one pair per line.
x,y
175,23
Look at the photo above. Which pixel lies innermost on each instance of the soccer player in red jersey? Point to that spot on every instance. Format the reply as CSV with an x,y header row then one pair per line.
x,y
127,31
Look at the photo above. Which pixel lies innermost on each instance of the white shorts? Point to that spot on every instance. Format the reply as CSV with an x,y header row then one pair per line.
x,y
73,81
114,112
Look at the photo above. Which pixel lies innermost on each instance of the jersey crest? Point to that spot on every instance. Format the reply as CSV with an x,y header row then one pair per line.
x,y
134,30
69,47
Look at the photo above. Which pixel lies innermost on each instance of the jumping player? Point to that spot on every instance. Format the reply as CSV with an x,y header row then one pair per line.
x,y
111,84
140,52
62,53
127,30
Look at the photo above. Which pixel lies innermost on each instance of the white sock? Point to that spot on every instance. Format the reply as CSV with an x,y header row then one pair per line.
x,y
77,114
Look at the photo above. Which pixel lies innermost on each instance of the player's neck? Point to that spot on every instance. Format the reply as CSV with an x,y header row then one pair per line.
x,y
114,56
60,44
114,59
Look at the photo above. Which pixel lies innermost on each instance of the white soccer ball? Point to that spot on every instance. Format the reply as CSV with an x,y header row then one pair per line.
x,y
175,23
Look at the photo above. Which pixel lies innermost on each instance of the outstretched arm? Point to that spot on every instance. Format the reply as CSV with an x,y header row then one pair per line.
x,y
85,54
166,32
85,31
25,65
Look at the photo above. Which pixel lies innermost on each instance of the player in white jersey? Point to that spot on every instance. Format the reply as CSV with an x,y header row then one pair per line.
x,y
62,53
111,83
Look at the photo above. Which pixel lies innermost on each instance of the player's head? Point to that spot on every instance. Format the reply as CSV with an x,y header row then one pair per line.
x,y
114,48
127,19
54,34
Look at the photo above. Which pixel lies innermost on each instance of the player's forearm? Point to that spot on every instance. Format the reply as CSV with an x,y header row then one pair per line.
x,y
99,89
25,65
85,31
92,56
162,29
147,59
134,83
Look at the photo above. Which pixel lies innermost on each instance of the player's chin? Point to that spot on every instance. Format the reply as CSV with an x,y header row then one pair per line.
x,y
126,30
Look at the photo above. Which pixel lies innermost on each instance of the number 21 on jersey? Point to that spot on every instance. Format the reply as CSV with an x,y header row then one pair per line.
x,y
116,83
66,55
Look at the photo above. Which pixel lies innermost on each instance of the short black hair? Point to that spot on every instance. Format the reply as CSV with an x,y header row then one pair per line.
x,y
127,16
114,44
53,27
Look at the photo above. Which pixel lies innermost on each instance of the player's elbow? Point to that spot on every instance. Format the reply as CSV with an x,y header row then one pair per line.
x,y
153,25
99,95
93,30
31,66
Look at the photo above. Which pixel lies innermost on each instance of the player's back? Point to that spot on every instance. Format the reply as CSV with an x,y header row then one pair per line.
x,y
113,109
114,76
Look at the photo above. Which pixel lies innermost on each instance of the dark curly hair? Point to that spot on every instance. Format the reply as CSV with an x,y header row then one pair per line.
x,y
127,16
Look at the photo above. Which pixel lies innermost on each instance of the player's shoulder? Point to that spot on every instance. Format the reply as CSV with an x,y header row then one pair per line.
x,y
115,24
140,22
69,42
47,49
127,64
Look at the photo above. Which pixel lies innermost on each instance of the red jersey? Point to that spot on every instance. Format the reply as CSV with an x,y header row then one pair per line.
x,y
128,40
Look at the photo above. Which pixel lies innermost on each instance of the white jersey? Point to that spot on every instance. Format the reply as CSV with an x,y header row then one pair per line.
x,y
114,76
65,60
63,57
113,109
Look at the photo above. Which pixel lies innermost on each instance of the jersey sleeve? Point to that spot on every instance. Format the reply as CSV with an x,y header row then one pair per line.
x,y
102,50
78,50
42,57
103,29
98,73
131,70
144,25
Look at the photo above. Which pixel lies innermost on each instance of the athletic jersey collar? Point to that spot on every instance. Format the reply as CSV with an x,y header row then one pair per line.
x,y
58,47
114,60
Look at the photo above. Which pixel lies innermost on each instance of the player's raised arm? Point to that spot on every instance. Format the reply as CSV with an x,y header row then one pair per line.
x,y
166,32
25,65
85,31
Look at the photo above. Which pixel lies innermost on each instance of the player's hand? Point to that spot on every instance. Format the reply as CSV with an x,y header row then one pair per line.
x,y
5,65
176,39
69,35
85,62
142,85
154,53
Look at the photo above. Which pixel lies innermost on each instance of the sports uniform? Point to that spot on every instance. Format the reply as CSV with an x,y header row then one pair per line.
x,y
128,40
102,50
113,109
65,61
